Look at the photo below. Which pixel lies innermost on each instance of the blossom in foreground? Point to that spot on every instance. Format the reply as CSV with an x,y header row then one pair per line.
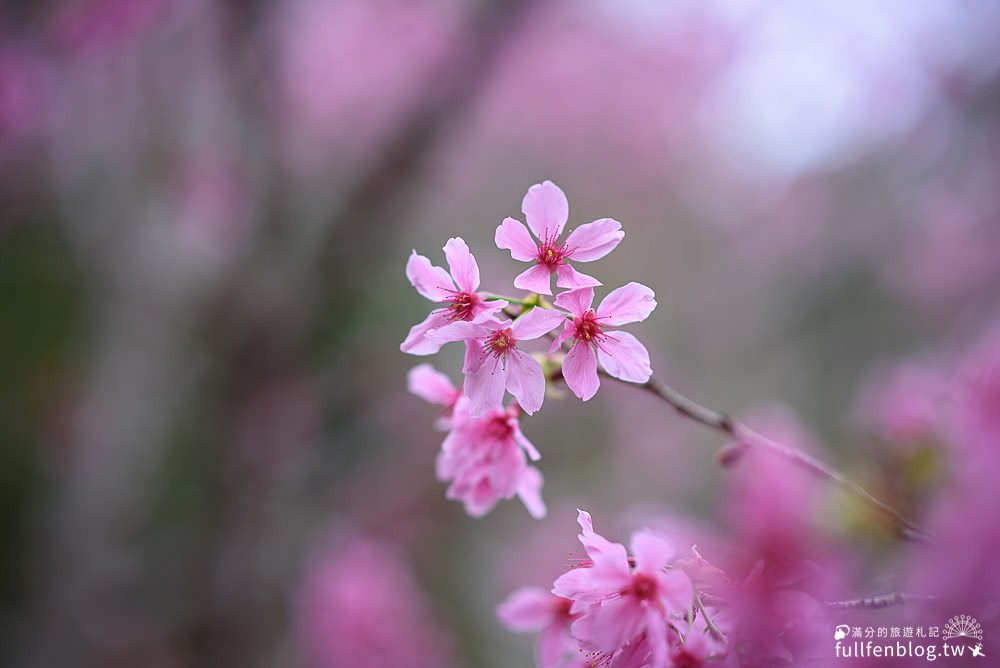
x,y
455,291
621,604
534,609
494,363
546,210
620,353
484,460
359,605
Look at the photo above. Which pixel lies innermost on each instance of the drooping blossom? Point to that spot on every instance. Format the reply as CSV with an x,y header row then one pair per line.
x,y
494,363
546,210
484,460
620,353
455,292
618,602
358,605
535,609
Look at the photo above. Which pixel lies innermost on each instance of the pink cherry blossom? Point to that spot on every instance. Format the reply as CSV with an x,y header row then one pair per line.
x,y
618,602
435,388
494,363
620,353
456,292
546,209
359,605
534,609
484,460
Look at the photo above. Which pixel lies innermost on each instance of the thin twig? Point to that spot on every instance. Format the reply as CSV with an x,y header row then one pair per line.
x,y
715,630
745,435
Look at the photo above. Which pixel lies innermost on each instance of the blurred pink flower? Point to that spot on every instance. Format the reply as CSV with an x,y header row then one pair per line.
x,y
534,609
348,74
546,209
456,291
902,405
959,567
771,504
484,460
494,363
772,616
358,606
620,353
617,602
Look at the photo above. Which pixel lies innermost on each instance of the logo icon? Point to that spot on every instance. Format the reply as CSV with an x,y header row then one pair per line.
x,y
841,632
962,626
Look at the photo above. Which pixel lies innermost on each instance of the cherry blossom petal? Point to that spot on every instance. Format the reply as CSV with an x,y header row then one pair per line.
x,y
525,444
656,637
553,643
431,282
569,278
506,469
530,492
675,591
485,386
580,371
527,609
525,381
594,240
566,333
537,279
418,343
576,302
487,311
536,322
461,330
629,303
431,385
650,551
546,209
597,545
462,264
586,586
623,357
612,624
513,235
478,501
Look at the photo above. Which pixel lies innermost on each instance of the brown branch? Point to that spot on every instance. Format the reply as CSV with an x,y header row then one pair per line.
x,y
744,435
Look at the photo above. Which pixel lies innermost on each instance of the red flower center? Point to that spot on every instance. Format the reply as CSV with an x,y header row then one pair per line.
x,y
500,342
462,305
587,329
551,253
498,428
643,587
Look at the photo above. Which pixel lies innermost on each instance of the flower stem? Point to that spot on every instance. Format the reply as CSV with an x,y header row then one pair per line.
x,y
708,620
513,300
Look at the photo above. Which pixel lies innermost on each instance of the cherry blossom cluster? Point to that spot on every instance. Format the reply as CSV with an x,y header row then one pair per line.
x,y
618,608
484,457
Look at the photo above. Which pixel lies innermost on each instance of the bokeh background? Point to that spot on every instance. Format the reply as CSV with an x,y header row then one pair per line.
x,y
207,453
